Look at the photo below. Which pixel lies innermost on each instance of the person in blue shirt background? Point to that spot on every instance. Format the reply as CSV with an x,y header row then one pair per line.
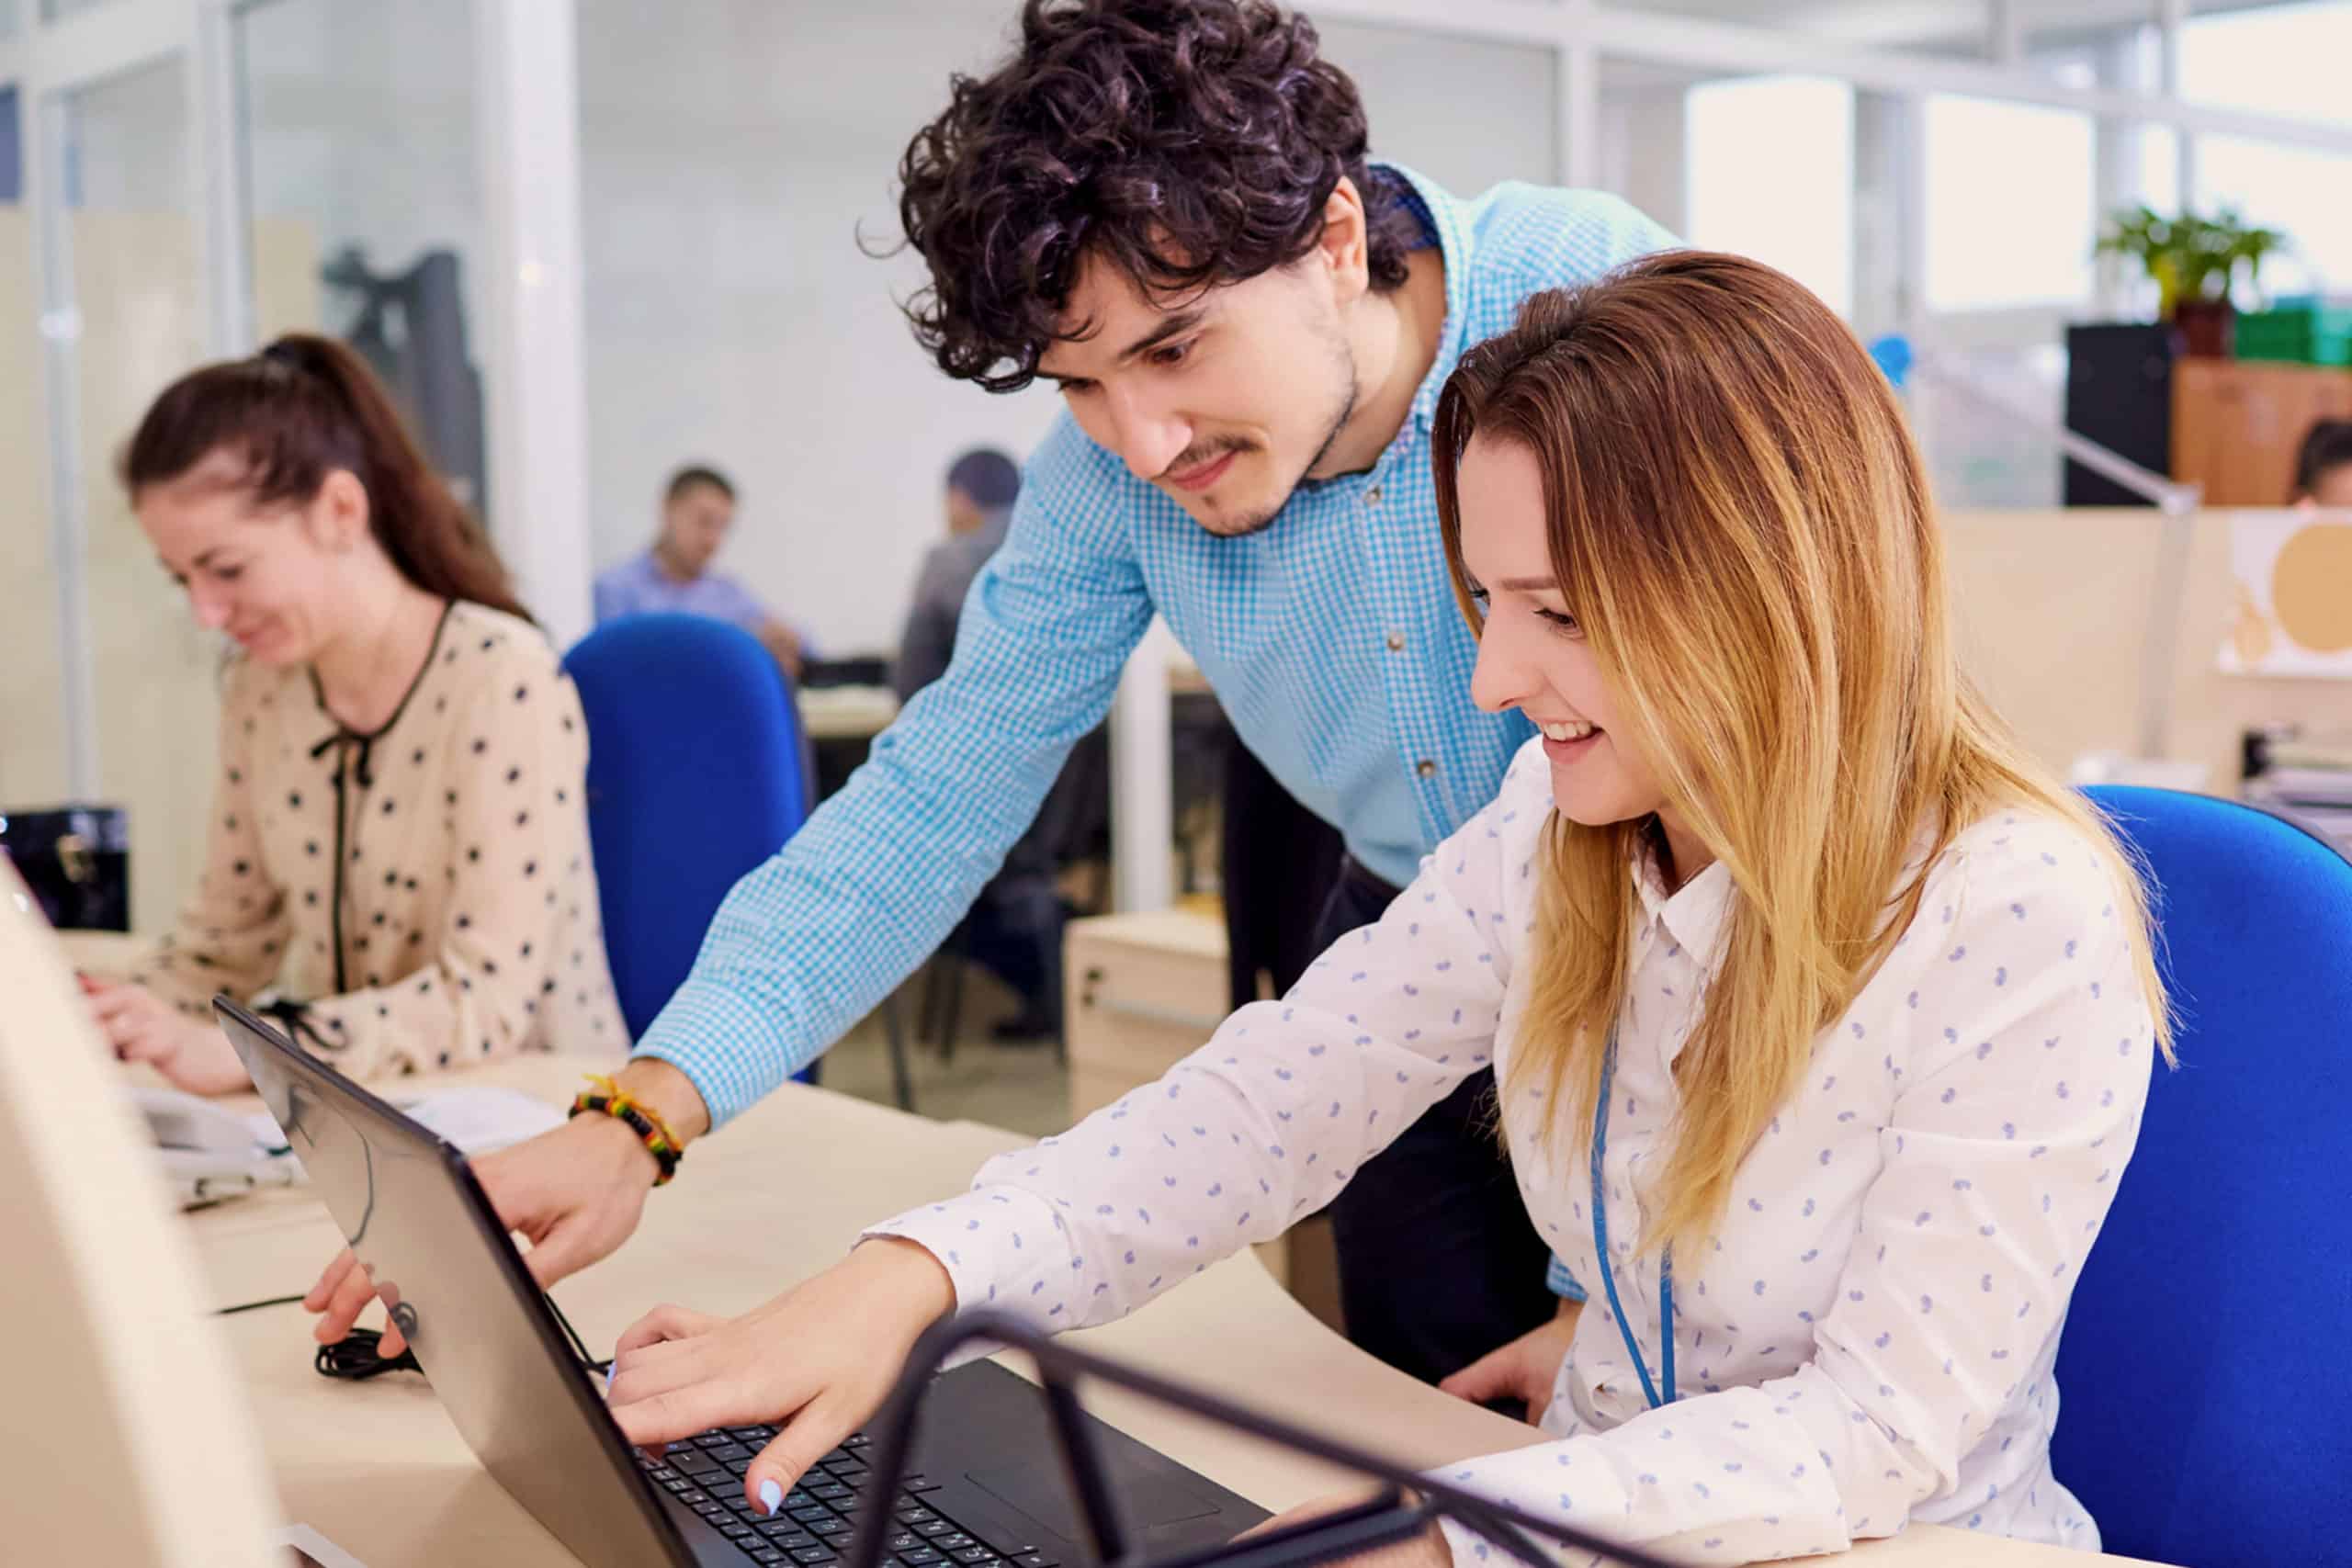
x,y
674,574
1249,321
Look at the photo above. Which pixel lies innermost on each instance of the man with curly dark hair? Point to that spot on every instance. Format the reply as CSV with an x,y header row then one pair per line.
x,y
1167,209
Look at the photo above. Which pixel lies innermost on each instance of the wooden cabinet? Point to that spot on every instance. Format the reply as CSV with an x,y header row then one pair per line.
x,y
2236,424
1144,991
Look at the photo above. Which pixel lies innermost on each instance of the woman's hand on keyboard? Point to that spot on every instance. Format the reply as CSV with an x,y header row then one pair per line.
x,y
814,1363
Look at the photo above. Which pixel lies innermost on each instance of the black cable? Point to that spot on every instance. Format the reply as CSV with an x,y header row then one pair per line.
x,y
578,1344
352,1357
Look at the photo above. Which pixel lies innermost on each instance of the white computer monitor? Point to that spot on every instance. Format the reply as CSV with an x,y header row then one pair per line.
x,y
128,1439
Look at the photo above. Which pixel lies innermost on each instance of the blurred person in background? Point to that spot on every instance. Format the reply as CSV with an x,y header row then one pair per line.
x,y
675,574
2324,467
981,487
1014,929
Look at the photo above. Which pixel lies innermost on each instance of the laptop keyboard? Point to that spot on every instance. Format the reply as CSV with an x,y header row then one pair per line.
x,y
813,1528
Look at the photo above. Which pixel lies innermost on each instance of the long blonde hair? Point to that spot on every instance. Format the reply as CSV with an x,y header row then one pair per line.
x,y
1742,525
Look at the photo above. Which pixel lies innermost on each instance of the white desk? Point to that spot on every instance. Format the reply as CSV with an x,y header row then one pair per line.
x,y
377,1468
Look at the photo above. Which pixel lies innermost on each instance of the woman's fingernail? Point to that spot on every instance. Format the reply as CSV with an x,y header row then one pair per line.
x,y
771,1496
608,1380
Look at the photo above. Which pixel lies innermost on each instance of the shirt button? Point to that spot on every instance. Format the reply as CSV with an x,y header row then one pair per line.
x,y
1426,768
1396,642
1371,496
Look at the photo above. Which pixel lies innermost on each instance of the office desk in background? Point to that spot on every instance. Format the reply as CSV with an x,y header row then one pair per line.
x,y
378,1469
860,712
847,712
842,722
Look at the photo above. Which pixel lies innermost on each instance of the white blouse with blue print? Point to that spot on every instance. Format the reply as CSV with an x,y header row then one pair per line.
x,y
1869,1339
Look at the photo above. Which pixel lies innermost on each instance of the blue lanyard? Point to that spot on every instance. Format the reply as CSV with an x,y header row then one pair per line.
x,y
1600,1250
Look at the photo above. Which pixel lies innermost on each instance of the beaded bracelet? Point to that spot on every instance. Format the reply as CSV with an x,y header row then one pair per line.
x,y
607,1098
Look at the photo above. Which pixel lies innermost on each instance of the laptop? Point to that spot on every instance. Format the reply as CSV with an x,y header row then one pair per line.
x,y
987,1491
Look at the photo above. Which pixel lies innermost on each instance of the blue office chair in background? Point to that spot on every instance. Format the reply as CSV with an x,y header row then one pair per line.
x,y
2205,1414
698,770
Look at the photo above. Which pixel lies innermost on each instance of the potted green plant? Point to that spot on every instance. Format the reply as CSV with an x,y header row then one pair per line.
x,y
2195,263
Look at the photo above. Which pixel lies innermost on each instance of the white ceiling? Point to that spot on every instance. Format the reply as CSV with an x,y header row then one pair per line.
x,y
1961,24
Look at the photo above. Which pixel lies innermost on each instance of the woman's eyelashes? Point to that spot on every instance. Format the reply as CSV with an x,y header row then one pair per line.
x,y
217,573
1560,621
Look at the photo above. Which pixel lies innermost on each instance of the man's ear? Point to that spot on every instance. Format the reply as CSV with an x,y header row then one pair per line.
x,y
1345,247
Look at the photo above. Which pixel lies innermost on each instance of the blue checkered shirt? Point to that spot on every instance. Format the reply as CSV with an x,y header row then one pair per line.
x,y
1332,639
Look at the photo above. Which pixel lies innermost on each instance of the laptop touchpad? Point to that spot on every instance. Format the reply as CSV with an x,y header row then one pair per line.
x,y
1042,1493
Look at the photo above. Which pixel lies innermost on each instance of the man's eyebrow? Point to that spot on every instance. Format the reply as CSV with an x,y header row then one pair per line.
x,y
1176,325
1182,321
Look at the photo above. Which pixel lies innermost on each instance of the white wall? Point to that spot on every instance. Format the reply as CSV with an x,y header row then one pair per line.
x,y
1464,112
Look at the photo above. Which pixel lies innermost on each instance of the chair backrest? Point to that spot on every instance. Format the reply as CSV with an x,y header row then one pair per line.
x,y
129,1440
2203,1411
698,772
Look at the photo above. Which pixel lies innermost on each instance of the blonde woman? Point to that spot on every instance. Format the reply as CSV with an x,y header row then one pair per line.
x,y
1822,1016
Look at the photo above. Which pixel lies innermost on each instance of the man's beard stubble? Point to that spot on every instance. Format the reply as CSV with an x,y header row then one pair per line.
x,y
1257,523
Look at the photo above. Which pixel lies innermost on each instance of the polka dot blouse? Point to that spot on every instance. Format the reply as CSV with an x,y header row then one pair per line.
x,y
1869,1339
468,925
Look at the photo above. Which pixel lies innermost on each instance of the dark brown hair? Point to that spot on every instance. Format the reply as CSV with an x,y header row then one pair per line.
x,y
694,474
296,412
1190,142
2328,447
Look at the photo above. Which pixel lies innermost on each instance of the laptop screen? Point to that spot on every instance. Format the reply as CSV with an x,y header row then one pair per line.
x,y
449,1276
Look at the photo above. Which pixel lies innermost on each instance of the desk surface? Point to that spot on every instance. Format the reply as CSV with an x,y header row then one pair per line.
x,y
847,712
378,1469
1194,929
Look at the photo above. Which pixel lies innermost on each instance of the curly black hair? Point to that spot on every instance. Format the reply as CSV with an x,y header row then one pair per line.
x,y
1190,142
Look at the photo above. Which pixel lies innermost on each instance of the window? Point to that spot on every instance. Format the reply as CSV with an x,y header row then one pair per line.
x,y
1770,174
2304,192
2009,188
2282,60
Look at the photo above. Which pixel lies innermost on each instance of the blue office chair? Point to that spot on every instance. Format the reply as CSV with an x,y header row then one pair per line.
x,y
698,770
2205,1417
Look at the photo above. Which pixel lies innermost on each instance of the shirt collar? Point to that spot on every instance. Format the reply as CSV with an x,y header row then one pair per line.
x,y
651,567
1440,216
1693,914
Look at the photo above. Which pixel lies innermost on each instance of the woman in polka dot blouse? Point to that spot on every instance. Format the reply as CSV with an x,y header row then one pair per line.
x,y
398,854
1821,1015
